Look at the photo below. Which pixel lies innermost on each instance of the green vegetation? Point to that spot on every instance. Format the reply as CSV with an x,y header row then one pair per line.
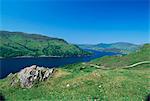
x,y
82,82
121,47
15,44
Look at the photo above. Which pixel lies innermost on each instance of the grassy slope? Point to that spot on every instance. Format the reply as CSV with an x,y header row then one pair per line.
x,y
21,44
88,83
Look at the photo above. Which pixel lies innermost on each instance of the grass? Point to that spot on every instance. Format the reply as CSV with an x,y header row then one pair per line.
x,y
106,85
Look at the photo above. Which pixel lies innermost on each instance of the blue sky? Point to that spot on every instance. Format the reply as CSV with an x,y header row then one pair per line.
x,y
79,21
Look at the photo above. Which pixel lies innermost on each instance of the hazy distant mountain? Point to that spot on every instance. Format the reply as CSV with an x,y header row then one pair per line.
x,y
22,44
122,47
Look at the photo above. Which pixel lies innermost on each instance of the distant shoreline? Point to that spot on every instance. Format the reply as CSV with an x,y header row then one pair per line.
x,y
43,56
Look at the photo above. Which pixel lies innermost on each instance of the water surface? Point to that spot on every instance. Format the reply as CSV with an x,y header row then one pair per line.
x,y
13,65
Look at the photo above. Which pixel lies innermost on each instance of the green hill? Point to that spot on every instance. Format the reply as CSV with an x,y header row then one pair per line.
x,y
119,61
121,47
103,79
15,44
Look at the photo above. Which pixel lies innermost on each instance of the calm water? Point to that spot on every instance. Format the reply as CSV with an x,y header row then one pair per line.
x,y
13,65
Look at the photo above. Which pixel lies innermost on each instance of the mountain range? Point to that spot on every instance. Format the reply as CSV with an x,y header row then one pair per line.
x,y
119,47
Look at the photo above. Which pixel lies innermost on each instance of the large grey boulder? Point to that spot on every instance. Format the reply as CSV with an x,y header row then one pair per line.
x,y
29,76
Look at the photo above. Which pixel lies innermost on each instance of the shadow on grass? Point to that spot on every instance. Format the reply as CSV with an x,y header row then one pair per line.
x,y
2,98
148,97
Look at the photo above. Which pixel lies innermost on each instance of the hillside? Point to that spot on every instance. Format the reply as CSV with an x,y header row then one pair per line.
x,y
15,44
121,47
120,61
83,81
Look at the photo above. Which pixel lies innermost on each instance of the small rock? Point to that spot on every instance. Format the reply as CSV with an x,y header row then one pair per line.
x,y
68,85
99,86
10,75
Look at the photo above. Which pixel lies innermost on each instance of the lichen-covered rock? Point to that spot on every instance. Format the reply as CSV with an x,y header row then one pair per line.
x,y
29,76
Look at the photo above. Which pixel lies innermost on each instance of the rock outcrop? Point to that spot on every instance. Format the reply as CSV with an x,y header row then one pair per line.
x,y
29,76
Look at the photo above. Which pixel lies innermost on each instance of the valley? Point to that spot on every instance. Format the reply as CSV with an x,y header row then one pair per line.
x,y
83,81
